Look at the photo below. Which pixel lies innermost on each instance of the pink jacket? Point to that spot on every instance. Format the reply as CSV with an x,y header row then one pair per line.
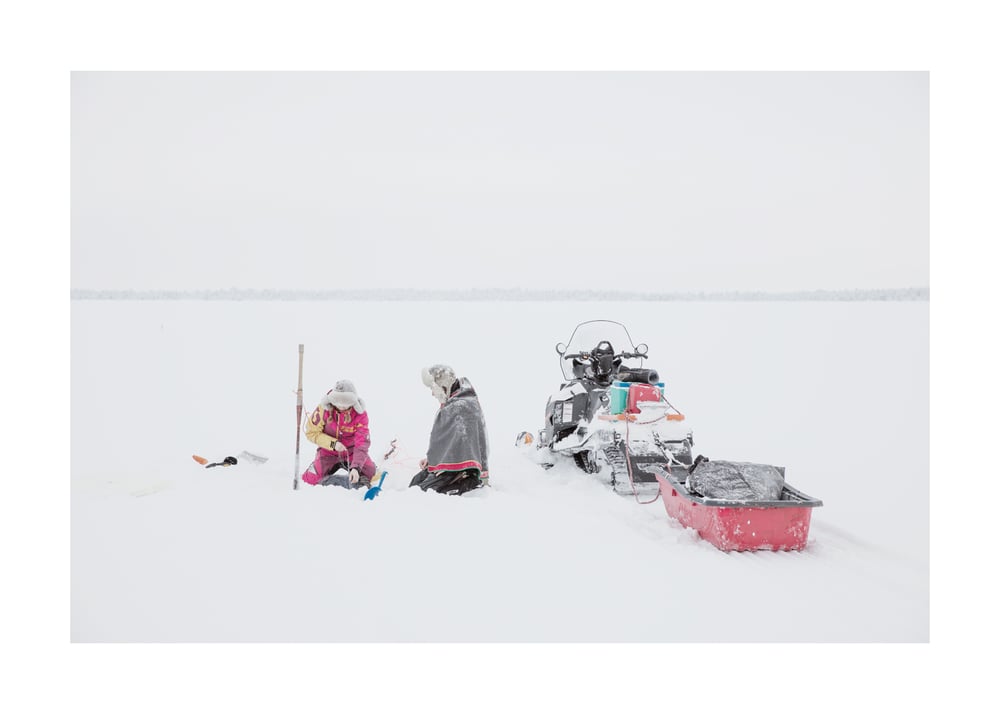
x,y
327,426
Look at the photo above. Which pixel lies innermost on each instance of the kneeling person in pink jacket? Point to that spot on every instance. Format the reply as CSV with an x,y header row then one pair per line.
x,y
339,427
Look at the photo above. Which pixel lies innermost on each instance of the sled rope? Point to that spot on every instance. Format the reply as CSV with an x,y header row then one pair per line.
x,y
628,464
402,458
662,416
628,461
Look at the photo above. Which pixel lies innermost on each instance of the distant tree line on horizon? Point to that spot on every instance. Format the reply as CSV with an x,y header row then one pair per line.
x,y
504,294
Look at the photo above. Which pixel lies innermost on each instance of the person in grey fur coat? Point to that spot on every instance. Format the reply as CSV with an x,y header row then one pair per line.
x,y
458,449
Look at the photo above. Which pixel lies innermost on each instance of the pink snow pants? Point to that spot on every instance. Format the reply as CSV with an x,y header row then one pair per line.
x,y
326,461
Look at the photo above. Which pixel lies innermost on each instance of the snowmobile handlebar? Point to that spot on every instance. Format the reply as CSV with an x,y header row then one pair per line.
x,y
585,356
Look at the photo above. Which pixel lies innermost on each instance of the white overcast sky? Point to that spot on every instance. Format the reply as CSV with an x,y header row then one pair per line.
x,y
661,181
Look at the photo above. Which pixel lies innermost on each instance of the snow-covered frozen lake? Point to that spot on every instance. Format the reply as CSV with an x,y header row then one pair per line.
x,y
163,550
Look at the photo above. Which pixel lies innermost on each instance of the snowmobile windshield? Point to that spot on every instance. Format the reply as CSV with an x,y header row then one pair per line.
x,y
597,335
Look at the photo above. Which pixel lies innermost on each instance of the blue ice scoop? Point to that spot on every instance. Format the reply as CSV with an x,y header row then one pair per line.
x,y
371,493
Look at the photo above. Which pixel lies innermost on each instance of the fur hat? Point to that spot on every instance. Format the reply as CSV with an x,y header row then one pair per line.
x,y
343,396
440,378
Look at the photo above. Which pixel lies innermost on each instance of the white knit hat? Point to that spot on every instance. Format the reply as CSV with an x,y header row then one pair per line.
x,y
344,396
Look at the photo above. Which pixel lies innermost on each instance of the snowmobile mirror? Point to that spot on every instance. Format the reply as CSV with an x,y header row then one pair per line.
x,y
561,348
641,349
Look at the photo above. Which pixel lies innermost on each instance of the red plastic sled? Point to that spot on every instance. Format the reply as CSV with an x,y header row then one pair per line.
x,y
742,525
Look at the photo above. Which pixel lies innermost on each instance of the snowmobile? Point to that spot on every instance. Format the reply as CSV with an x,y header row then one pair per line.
x,y
611,410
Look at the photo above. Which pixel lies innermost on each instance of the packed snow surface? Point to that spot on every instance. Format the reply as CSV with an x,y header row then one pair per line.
x,y
165,550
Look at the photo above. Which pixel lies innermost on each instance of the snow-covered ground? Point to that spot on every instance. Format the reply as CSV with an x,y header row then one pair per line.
x,y
163,550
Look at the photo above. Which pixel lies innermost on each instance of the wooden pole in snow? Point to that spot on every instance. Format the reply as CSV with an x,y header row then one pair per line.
x,y
298,421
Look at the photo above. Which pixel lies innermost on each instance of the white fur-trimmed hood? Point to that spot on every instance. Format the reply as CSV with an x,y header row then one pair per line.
x,y
440,378
344,396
